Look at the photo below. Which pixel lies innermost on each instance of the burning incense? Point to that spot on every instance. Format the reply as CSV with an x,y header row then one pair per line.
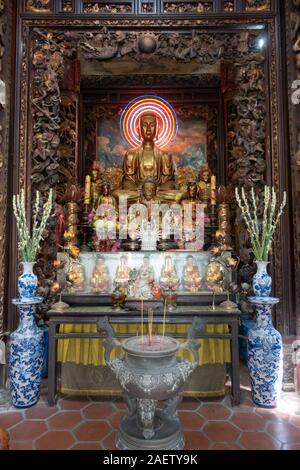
x,y
142,316
150,326
164,322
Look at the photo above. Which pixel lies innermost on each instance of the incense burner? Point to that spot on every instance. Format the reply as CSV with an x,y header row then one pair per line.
x,y
152,379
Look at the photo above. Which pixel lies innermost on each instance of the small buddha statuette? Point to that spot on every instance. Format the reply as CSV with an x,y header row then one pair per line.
x,y
95,184
149,197
215,276
100,277
169,279
105,197
191,279
145,280
204,184
76,277
122,276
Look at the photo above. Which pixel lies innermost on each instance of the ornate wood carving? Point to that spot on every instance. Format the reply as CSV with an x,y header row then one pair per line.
x,y
148,7
105,7
258,5
294,75
67,6
5,70
38,6
49,165
188,7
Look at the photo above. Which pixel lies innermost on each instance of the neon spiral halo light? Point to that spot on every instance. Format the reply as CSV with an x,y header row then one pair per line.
x,y
167,120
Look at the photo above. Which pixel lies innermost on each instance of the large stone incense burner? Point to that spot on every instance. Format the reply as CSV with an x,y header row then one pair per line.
x,y
152,379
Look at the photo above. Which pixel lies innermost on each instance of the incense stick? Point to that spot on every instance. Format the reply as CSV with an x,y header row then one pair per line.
x,y
150,323
164,322
142,317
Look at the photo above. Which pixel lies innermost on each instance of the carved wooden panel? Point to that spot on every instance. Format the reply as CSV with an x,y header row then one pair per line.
x,y
148,7
112,7
293,43
258,5
5,70
67,6
38,6
188,7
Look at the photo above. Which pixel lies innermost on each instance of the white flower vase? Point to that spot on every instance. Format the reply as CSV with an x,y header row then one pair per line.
x,y
27,283
262,281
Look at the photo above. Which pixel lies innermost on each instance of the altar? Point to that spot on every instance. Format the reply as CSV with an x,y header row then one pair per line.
x,y
150,229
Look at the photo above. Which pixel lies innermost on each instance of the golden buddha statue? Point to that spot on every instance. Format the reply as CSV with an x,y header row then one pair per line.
x,y
76,277
105,196
215,276
100,277
191,278
95,184
169,279
122,276
204,184
148,195
148,160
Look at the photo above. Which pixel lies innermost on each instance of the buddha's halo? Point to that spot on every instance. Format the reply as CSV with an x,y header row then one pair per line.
x,y
165,113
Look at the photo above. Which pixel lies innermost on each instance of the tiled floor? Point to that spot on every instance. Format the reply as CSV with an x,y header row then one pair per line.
x,y
90,423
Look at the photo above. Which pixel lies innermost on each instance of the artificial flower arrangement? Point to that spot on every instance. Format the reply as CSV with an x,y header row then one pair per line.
x,y
29,242
261,231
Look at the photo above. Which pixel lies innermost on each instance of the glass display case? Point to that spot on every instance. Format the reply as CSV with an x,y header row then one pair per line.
x,y
143,274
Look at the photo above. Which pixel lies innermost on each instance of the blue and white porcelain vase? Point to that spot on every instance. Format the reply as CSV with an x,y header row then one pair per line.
x,y
262,281
265,357
25,358
27,282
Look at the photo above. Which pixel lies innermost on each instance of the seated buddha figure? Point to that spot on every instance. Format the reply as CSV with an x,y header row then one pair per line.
x,y
100,277
191,278
148,160
148,196
215,276
168,277
122,276
105,196
145,280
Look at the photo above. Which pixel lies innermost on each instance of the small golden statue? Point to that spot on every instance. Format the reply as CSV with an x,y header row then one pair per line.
x,y
148,160
215,276
122,276
169,279
95,184
100,278
148,195
191,278
204,184
76,276
105,197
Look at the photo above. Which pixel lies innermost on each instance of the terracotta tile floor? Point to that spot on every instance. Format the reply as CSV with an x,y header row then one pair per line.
x,y
91,424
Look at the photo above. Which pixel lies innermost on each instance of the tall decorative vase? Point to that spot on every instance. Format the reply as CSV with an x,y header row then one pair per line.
x,y
25,357
27,282
265,357
262,281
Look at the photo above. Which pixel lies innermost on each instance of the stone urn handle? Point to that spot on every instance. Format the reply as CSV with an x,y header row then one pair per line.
x,y
192,344
110,342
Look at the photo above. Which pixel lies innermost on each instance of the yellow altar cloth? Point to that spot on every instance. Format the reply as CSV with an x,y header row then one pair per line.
x,y
91,351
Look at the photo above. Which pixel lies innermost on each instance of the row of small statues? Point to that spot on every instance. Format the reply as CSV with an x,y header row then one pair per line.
x,y
99,192
142,283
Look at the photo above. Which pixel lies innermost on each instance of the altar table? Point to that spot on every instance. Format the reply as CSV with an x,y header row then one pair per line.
x,y
183,315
